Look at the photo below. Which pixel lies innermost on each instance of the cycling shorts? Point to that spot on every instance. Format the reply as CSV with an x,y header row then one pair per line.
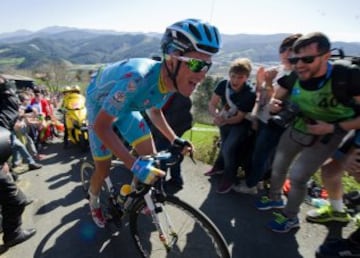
x,y
132,127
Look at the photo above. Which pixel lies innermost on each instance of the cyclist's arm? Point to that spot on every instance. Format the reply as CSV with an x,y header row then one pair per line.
x,y
103,129
158,119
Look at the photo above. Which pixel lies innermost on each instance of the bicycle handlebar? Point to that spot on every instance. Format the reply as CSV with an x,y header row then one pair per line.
x,y
166,158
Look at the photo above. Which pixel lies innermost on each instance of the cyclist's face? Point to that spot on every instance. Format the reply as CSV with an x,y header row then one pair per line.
x,y
187,79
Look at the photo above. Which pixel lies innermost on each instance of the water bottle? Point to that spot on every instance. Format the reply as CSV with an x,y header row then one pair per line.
x,y
124,191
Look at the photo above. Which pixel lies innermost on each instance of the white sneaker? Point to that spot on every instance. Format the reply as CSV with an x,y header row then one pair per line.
x,y
243,188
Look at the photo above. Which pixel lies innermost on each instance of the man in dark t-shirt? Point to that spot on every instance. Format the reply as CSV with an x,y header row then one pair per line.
x,y
235,97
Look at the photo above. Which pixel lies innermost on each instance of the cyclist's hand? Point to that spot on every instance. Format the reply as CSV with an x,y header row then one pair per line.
x,y
144,170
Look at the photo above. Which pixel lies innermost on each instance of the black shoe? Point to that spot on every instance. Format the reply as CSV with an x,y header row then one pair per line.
x,y
172,186
339,248
24,235
172,182
34,166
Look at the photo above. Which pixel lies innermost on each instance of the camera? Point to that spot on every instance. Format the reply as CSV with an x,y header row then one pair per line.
x,y
286,115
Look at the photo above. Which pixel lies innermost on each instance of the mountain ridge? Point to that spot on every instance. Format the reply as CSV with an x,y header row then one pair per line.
x,y
24,49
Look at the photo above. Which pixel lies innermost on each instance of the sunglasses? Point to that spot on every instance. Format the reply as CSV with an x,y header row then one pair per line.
x,y
195,65
304,59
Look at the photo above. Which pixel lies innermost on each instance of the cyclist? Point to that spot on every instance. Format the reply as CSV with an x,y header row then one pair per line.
x,y
118,92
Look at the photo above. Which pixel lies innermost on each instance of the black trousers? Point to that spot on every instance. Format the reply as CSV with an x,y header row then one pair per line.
x,y
12,201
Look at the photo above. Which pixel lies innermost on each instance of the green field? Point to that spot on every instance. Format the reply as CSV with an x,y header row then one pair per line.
x,y
204,138
11,61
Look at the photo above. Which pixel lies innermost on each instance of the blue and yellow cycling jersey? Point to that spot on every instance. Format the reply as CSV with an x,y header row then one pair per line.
x,y
123,90
129,85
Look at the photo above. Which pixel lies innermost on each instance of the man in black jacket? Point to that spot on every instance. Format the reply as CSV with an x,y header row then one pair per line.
x,y
12,200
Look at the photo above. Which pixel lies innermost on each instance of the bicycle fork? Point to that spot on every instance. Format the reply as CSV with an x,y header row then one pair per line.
x,y
161,225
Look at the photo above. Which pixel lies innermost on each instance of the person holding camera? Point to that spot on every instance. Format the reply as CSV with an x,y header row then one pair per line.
x,y
315,133
267,136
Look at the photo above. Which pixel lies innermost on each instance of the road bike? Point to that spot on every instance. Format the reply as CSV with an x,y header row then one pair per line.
x,y
161,225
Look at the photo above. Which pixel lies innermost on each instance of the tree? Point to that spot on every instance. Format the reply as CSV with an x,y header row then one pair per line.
x,y
201,98
55,76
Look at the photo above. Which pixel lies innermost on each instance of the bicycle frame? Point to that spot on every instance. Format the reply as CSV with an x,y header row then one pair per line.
x,y
150,205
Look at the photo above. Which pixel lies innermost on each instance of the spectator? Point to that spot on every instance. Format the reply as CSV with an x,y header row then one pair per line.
x,y
177,113
267,135
27,126
312,137
41,104
349,247
9,112
12,200
331,174
237,98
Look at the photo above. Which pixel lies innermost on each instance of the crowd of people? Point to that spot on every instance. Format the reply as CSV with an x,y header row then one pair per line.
x,y
27,123
298,120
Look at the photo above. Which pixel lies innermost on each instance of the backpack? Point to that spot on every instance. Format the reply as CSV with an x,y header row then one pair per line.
x,y
346,72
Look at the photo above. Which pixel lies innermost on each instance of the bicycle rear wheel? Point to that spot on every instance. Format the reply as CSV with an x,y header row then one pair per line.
x,y
189,232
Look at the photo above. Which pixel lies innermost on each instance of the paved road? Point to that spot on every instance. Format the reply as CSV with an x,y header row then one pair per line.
x,y
64,227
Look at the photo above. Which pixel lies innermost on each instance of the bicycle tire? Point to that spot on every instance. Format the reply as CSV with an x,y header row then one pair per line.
x,y
196,232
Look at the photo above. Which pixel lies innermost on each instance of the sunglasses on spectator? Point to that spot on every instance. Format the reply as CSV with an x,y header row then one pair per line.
x,y
195,65
304,59
284,49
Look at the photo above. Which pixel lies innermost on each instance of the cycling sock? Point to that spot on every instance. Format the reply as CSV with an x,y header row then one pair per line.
x,y
94,200
337,205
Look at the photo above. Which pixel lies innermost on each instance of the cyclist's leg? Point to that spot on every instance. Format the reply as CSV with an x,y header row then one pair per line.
x,y
102,158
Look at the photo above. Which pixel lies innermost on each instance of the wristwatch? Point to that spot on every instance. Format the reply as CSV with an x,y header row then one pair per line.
x,y
338,129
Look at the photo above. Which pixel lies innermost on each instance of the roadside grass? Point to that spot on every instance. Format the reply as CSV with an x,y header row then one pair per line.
x,y
205,137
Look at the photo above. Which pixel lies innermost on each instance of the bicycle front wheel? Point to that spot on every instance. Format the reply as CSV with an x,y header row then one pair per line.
x,y
186,231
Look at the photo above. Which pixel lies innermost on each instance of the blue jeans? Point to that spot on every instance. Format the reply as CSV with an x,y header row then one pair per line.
x,y
232,137
18,148
266,141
